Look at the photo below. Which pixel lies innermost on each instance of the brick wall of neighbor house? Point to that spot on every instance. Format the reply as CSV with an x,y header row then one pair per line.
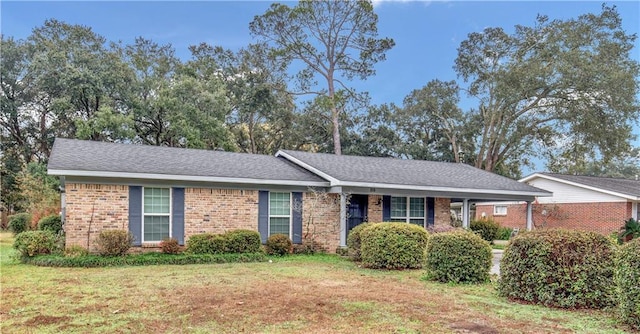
x,y
442,211
91,208
374,211
321,218
219,210
603,217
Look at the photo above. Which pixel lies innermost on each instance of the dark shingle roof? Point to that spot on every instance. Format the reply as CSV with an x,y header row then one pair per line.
x,y
92,156
408,172
622,186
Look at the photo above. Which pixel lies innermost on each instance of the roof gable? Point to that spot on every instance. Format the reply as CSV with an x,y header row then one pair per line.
x,y
359,170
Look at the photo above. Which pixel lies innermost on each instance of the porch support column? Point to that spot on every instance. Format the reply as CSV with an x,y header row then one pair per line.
x,y
529,216
465,213
343,219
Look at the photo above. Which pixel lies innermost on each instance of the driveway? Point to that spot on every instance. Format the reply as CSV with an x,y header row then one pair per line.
x,y
497,256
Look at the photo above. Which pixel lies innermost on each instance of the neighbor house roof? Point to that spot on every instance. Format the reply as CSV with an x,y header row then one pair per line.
x,y
358,171
99,159
627,188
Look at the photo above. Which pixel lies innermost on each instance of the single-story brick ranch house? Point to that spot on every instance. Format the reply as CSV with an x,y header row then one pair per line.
x,y
157,192
588,203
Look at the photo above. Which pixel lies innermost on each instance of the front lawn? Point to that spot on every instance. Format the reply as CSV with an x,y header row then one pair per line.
x,y
289,295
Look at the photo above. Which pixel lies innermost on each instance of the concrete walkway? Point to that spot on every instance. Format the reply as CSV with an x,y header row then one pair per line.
x,y
497,256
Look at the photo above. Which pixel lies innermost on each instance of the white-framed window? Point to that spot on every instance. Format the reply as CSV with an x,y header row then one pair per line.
x,y
408,210
156,212
279,213
499,210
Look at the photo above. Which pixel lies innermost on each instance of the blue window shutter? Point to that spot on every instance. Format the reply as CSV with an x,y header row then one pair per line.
x,y
135,214
431,211
386,208
263,215
297,218
177,215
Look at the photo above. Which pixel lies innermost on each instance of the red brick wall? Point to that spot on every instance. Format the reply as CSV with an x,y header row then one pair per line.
x,y
321,219
374,213
92,208
604,217
219,210
442,212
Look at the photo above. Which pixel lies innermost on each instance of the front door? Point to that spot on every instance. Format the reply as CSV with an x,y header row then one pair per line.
x,y
357,211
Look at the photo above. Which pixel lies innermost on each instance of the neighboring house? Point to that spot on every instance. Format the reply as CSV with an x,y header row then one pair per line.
x,y
159,192
597,204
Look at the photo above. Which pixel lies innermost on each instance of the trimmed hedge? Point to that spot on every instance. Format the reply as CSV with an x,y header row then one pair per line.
x,y
627,278
393,246
354,241
51,223
92,261
32,243
207,243
278,244
458,257
486,228
559,268
243,241
114,242
19,223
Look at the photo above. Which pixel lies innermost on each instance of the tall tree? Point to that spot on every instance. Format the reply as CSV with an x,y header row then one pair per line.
x,y
174,104
334,40
262,111
572,82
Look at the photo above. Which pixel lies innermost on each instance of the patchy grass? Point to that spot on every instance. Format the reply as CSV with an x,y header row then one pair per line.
x,y
316,294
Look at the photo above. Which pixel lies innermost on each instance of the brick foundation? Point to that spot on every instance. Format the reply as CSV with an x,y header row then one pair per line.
x,y
604,217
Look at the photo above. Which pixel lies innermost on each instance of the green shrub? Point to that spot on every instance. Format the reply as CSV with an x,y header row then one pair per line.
x,y
75,251
504,233
207,243
51,223
19,222
486,228
243,241
114,242
559,268
458,257
627,278
393,246
170,246
32,243
278,244
354,241
90,261
309,246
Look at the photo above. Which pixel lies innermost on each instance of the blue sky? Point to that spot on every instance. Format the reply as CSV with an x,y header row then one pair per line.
x,y
427,34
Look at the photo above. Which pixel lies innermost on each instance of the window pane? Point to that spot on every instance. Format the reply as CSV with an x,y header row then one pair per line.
x,y
398,207
417,221
279,204
416,207
156,228
278,225
398,220
156,200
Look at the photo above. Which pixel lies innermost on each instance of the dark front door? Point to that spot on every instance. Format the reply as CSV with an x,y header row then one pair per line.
x,y
357,212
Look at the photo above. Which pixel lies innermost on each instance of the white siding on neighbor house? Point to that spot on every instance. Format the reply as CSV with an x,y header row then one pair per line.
x,y
565,193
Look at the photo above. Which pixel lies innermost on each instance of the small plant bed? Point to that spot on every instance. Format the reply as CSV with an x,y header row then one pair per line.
x,y
92,261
